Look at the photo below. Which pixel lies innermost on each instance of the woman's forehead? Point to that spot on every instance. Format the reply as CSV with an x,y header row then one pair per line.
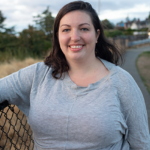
x,y
76,17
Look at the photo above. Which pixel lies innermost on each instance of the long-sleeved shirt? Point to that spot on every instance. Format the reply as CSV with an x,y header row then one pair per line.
x,y
107,115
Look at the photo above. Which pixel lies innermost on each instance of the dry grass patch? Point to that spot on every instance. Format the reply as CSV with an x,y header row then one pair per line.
x,y
15,65
143,66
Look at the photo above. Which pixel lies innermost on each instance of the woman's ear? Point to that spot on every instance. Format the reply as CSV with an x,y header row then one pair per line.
x,y
98,33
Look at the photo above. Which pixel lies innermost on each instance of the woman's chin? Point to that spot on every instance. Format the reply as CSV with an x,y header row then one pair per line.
x,y
76,58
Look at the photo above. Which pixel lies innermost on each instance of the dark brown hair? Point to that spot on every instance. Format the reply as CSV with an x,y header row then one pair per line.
x,y
104,49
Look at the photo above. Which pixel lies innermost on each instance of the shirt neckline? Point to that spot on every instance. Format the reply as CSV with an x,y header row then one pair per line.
x,y
79,90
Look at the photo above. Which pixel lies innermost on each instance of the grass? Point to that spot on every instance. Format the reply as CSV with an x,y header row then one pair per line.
x,y
15,65
143,66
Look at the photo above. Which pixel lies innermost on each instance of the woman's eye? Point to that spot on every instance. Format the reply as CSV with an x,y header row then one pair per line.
x,y
65,30
84,29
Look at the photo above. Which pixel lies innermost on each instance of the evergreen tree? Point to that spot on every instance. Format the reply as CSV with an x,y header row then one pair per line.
x,y
33,41
45,23
2,19
107,24
3,29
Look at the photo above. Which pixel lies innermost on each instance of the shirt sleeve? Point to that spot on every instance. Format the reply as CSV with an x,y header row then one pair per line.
x,y
133,106
16,87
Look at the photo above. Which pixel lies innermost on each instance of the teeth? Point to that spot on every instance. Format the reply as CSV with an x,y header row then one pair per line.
x,y
76,46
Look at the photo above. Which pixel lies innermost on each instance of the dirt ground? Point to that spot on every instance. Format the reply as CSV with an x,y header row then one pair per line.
x,y
143,66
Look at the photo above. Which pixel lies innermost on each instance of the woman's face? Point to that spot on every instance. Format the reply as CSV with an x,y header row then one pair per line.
x,y
77,37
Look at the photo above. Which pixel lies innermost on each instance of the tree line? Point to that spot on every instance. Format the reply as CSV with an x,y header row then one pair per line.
x,y
32,42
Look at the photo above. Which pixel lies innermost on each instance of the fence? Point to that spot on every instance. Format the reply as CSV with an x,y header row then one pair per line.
x,y
135,43
15,133
124,42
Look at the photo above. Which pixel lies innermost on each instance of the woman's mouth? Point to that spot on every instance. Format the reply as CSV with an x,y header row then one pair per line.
x,y
76,47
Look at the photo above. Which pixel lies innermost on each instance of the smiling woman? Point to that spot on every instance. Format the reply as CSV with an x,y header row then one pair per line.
x,y
77,38
79,99
77,24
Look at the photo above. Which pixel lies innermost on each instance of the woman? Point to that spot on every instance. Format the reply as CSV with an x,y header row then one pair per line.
x,y
80,99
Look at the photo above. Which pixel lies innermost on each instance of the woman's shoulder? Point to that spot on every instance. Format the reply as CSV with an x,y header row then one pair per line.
x,y
40,69
124,75
35,71
37,67
124,81
119,77
40,66
116,70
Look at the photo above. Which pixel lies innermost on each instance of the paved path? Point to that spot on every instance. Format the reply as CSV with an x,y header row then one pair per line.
x,y
130,65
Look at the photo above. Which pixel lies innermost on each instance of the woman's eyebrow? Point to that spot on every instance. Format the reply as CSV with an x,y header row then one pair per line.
x,y
79,25
65,25
84,24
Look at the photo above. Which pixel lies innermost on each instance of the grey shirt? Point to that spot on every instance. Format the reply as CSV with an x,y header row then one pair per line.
x,y
107,115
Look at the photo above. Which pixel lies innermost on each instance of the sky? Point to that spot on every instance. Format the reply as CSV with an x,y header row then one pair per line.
x,y
19,13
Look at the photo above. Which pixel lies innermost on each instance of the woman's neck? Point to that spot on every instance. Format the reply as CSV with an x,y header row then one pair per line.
x,y
87,72
84,67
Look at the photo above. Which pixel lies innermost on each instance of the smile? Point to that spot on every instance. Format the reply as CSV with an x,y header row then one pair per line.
x,y
77,46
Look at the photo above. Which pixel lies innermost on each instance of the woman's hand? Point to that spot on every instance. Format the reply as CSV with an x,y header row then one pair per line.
x,y
4,104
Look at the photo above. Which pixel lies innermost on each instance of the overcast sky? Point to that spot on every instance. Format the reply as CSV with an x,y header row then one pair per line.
x,y
19,13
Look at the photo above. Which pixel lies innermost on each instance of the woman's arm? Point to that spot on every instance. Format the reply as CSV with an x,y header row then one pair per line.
x,y
134,109
16,87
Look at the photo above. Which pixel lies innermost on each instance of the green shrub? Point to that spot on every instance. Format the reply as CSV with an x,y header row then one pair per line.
x,y
113,33
30,43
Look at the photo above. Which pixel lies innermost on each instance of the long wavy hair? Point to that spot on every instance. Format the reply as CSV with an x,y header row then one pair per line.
x,y
104,48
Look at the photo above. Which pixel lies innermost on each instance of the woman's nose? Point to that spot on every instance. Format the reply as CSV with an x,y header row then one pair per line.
x,y
75,35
